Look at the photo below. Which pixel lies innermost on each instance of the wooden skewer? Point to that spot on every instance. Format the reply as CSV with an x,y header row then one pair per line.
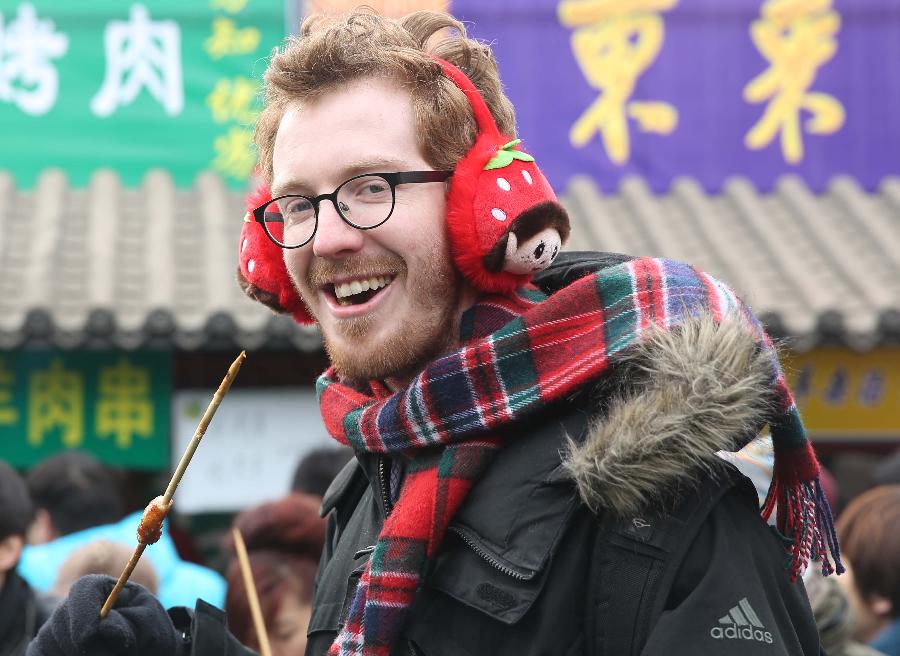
x,y
252,596
166,503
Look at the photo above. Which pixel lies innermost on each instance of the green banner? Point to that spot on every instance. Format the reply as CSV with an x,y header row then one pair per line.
x,y
132,86
112,404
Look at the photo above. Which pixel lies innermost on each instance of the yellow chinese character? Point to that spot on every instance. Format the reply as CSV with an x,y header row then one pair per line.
x,y
229,6
235,155
615,41
796,37
9,416
124,408
232,100
56,400
227,39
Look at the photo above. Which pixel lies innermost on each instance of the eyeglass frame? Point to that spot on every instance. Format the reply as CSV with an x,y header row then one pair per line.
x,y
393,179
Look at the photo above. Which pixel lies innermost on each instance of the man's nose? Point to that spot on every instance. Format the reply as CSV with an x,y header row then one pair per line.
x,y
334,237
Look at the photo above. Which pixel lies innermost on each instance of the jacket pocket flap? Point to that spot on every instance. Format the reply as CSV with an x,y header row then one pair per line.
x,y
503,583
521,505
521,539
470,580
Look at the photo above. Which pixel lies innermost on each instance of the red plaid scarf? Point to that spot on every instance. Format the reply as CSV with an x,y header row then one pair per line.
x,y
520,354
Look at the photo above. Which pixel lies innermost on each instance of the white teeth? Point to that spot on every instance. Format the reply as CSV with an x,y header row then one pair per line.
x,y
357,286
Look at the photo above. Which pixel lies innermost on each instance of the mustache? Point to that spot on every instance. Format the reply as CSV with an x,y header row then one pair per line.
x,y
322,272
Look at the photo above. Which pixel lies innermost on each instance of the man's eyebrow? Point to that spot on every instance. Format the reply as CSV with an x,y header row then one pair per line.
x,y
373,165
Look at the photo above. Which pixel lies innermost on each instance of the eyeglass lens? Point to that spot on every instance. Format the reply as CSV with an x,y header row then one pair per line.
x,y
364,202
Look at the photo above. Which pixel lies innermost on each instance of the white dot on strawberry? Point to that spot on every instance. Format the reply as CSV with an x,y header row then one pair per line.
x,y
251,265
503,183
527,176
244,245
498,214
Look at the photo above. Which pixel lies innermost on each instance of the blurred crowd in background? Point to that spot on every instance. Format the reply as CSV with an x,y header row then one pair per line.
x,y
68,518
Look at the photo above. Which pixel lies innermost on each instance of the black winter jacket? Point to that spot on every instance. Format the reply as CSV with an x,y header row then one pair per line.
x,y
511,577
516,573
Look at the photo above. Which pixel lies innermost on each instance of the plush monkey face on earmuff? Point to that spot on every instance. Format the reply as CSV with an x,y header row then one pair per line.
x,y
503,219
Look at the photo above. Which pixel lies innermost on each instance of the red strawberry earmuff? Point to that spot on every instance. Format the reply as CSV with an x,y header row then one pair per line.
x,y
261,272
504,220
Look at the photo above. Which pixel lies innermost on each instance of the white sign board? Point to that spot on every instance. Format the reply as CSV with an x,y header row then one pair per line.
x,y
250,449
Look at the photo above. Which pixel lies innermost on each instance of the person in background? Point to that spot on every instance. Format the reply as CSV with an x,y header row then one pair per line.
x,y
869,533
103,557
22,612
317,469
78,501
72,491
284,542
835,615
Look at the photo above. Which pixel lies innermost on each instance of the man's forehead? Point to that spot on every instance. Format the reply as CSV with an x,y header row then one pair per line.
x,y
363,127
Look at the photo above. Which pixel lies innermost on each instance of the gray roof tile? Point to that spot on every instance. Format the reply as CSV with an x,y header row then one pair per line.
x,y
108,266
818,268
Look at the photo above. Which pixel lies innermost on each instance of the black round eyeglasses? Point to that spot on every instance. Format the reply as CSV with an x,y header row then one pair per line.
x,y
364,201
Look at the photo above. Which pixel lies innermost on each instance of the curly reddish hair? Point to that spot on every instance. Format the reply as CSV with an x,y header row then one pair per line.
x,y
284,541
331,51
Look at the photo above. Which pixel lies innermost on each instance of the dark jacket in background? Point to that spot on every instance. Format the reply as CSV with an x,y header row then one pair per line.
x,y
21,615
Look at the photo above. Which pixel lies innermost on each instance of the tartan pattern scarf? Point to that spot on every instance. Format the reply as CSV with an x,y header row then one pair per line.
x,y
521,353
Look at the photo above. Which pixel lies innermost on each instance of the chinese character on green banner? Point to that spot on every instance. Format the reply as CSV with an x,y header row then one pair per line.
x,y
113,405
133,86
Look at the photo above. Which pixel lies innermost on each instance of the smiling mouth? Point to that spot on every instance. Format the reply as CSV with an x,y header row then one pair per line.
x,y
358,291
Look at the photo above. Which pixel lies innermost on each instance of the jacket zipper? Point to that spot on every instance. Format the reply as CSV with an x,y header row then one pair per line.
x,y
363,552
382,484
488,558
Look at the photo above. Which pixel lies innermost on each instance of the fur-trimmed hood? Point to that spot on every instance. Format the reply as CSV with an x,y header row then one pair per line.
x,y
678,397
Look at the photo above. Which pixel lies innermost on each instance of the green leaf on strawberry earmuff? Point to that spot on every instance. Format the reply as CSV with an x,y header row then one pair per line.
x,y
501,160
505,156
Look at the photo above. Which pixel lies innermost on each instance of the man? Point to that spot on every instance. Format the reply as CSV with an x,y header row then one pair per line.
x,y
533,474
21,611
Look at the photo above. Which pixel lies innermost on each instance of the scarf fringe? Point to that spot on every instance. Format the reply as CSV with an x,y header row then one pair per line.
x,y
804,516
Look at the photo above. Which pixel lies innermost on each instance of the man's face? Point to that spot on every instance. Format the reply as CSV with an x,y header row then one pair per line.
x,y
367,127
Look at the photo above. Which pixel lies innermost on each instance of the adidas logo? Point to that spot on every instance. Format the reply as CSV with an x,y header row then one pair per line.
x,y
741,623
